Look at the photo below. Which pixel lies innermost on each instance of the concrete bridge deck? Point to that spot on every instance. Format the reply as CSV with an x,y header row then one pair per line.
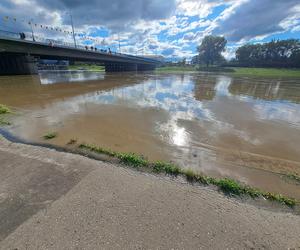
x,y
18,57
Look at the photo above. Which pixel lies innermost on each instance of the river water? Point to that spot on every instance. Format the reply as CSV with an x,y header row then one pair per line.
x,y
224,126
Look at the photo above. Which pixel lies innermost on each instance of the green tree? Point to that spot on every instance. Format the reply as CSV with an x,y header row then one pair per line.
x,y
182,62
210,49
195,60
284,53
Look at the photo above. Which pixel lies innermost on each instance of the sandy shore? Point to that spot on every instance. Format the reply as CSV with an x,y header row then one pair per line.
x,y
54,200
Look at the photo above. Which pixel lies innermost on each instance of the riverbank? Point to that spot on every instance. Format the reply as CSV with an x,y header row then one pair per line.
x,y
179,69
56,200
266,72
236,71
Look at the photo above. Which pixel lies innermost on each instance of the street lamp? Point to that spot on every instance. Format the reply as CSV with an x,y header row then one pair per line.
x,y
33,38
73,30
119,43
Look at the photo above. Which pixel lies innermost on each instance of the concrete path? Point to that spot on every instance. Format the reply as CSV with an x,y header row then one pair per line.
x,y
53,200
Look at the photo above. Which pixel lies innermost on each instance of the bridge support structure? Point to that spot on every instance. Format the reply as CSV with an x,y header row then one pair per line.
x,y
12,64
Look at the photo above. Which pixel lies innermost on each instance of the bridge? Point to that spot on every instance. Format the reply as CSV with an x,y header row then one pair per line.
x,y
20,57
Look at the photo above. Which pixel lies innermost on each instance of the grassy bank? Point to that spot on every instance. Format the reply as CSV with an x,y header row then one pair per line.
x,y
226,185
176,69
266,72
87,67
242,71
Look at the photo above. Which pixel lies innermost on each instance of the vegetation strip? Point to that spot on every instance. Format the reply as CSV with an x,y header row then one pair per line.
x,y
176,69
4,122
266,72
50,136
293,177
4,110
228,186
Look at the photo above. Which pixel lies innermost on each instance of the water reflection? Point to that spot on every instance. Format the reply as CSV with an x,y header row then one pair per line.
x,y
267,89
215,124
46,77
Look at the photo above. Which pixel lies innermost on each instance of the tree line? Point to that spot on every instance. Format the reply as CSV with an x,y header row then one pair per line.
x,y
277,53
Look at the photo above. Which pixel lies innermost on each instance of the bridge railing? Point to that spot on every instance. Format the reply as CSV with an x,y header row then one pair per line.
x,y
63,44
4,33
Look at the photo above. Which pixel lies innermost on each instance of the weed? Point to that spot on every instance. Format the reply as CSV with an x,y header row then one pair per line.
x,y
72,142
97,150
294,177
280,198
4,109
228,186
126,158
50,136
190,175
4,122
132,159
165,167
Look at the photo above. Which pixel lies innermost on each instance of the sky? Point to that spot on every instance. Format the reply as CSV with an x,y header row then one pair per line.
x,y
171,28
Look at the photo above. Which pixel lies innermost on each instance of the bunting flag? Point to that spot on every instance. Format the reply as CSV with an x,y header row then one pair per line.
x,y
14,19
80,36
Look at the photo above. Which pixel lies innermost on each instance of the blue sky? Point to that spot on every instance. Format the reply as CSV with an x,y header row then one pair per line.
x,y
172,28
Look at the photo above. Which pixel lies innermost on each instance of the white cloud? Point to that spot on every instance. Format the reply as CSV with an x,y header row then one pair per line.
x,y
175,27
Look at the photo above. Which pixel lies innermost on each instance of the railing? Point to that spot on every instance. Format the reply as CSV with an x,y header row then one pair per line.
x,y
4,33
62,44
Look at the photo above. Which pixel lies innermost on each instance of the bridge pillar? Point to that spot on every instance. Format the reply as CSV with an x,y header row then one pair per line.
x,y
17,65
120,67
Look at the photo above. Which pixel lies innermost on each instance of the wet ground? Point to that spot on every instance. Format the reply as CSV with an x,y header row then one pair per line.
x,y
224,126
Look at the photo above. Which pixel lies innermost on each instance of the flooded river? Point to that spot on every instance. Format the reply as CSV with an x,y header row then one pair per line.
x,y
244,128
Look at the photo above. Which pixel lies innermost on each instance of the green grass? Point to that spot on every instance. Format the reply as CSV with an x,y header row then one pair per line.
x,y
4,122
132,159
293,177
266,72
165,167
214,69
126,158
50,135
232,187
176,69
238,71
87,67
4,110
228,186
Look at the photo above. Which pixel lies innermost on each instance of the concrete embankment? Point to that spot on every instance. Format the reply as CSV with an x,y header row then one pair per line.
x,y
55,200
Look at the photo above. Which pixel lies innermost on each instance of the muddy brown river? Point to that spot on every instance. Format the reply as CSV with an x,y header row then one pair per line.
x,y
224,126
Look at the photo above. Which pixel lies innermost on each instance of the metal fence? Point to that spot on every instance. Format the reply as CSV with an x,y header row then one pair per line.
x,y
59,43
